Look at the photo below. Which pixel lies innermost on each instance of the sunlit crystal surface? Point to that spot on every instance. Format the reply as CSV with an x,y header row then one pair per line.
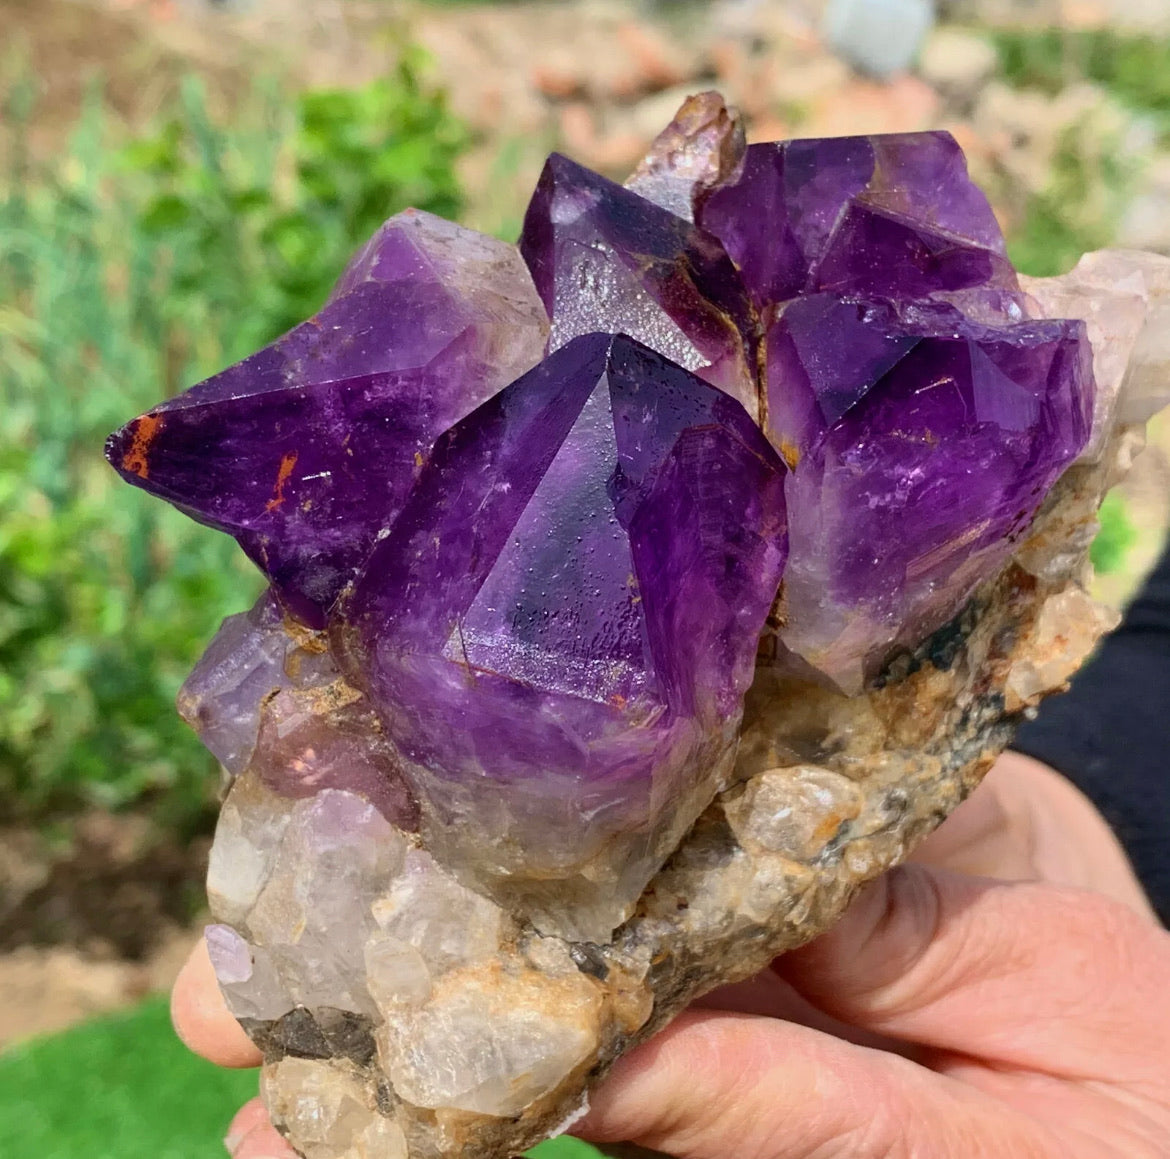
x,y
579,580
604,258
893,215
305,450
602,663
924,445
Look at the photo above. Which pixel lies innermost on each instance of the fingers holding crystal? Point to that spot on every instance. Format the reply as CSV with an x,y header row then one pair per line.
x,y
252,1135
1026,822
788,1092
202,1019
1025,975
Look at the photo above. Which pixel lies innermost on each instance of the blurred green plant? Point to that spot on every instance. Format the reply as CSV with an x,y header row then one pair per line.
x,y
126,272
1116,537
1077,210
1135,68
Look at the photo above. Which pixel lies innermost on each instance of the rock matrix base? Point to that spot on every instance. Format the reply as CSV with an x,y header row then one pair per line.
x,y
636,594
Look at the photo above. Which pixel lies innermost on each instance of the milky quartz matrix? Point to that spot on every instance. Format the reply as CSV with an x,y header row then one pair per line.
x,y
635,594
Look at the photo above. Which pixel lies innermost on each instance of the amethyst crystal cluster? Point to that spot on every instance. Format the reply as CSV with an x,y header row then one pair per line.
x,y
772,420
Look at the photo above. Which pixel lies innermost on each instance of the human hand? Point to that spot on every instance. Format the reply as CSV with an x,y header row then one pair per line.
x,y
939,1004
945,1017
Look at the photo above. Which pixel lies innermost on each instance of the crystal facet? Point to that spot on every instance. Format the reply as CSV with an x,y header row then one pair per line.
x,y
891,216
924,445
604,258
579,579
305,450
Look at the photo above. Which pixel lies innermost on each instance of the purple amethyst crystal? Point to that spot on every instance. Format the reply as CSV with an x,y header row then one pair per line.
x,y
581,683
305,450
534,590
923,443
891,216
604,258
560,628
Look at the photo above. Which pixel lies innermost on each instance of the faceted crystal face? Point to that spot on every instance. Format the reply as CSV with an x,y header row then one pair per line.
x,y
605,535
888,216
579,579
305,450
924,445
604,258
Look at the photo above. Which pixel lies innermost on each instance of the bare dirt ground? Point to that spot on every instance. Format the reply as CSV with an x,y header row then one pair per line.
x,y
92,921
96,923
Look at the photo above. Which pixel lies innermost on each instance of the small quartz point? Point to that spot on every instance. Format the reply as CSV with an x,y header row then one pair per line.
x,y
703,147
268,696
579,578
305,450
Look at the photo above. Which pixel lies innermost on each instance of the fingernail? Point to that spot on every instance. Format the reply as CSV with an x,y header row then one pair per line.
x,y
232,1140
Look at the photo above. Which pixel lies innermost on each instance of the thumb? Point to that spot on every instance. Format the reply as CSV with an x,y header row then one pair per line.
x,y
715,1083
1063,979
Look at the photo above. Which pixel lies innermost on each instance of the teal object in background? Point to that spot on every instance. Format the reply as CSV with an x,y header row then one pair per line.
x,y
124,1087
878,37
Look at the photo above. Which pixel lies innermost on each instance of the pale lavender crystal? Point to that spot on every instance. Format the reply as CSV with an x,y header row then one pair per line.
x,y
302,891
243,665
268,696
559,630
305,450
893,216
605,259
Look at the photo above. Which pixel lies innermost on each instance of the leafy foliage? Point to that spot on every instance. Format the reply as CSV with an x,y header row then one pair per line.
x,y
1135,68
1076,212
1116,537
126,273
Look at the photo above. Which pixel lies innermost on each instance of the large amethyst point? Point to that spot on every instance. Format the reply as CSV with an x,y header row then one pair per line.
x,y
923,446
305,450
560,628
605,258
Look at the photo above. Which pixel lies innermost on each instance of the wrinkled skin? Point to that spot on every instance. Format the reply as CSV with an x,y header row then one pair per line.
x,y
1004,994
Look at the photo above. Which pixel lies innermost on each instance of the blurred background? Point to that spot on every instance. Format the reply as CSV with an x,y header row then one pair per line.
x,y
180,181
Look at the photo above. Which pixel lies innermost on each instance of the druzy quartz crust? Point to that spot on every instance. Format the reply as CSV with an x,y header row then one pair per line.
x,y
636,593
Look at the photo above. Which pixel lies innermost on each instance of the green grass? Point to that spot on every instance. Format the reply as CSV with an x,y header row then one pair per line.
x,y
124,1087
121,1087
